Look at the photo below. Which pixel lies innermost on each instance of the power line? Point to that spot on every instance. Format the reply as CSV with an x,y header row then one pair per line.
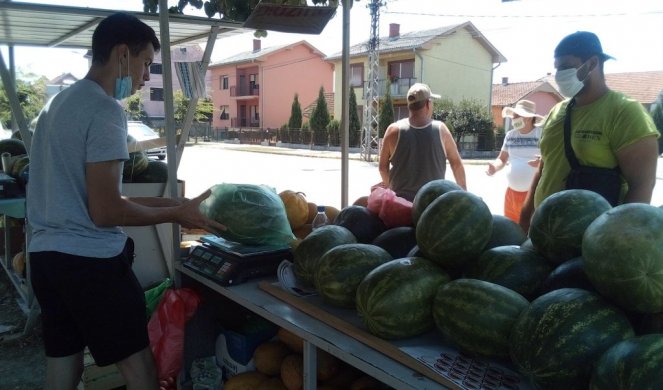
x,y
514,16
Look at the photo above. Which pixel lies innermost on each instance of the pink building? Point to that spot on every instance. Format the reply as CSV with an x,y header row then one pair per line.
x,y
256,89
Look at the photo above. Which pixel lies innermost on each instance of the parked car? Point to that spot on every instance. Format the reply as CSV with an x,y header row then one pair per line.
x,y
142,132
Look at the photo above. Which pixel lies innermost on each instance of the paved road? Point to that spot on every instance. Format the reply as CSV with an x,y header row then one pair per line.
x,y
204,165
317,173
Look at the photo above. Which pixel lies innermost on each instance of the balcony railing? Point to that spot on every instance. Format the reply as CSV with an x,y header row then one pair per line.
x,y
397,88
245,90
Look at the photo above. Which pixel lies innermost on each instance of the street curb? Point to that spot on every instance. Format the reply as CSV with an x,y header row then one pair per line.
x,y
299,152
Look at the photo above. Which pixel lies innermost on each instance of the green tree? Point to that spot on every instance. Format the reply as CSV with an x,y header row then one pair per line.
x,y
355,125
295,121
204,108
320,116
31,98
466,117
386,114
134,107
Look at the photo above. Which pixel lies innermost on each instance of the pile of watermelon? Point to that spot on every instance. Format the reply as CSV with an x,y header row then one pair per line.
x,y
574,303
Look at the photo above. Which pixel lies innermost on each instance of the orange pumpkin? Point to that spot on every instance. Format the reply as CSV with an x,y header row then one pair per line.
x,y
296,207
312,211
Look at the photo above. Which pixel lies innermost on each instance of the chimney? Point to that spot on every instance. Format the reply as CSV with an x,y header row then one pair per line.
x,y
394,30
256,45
505,81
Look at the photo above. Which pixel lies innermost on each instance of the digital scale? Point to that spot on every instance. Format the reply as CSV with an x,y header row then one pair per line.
x,y
229,263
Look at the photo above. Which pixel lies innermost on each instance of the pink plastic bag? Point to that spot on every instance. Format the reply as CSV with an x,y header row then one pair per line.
x,y
393,210
166,329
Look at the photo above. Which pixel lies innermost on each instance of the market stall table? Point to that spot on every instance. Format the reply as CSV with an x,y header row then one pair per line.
x,y
406,364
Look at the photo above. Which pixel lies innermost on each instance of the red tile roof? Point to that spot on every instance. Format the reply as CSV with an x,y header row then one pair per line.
x,y
509,94
642,86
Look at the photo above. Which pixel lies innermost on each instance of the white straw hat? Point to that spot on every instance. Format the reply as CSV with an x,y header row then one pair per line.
x,y
524,108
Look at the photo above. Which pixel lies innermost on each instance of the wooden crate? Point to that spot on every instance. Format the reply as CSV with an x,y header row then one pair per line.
x,y
99,378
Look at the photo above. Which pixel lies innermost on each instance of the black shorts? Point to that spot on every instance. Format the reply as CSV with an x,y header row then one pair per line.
x,y
90,302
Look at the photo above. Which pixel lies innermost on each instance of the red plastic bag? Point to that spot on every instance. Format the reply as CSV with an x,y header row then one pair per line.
x,y
393,210
166,329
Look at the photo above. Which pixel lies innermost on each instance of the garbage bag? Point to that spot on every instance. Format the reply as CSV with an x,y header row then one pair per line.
x,y
252,214
166,329
393,210
153,296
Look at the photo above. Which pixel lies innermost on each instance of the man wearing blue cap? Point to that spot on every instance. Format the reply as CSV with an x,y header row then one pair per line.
x,y
607,129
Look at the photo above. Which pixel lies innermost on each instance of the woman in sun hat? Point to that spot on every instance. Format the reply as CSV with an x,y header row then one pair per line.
x,y
521,151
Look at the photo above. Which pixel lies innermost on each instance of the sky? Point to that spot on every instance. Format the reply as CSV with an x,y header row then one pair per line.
x,y
525,32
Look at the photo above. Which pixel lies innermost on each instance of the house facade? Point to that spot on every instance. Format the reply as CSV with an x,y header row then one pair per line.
x,y
542,92
152,93
455,61
256,89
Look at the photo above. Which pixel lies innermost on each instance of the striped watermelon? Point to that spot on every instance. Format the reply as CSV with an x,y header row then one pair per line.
x,y
633,364
520,270
623,252
317,243
342,268
428,193
560,221
478,315
569,274
555,341
454,229
395,300
505,232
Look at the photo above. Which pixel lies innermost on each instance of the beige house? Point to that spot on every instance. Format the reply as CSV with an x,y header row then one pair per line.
x,y
456,61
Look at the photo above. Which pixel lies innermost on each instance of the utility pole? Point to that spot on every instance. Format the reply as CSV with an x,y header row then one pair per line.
x,y
369,132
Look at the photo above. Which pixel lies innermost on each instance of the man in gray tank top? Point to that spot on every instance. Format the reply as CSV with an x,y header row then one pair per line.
x,y
415,150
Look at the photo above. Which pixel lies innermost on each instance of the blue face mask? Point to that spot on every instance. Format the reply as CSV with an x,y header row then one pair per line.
x,y
123,85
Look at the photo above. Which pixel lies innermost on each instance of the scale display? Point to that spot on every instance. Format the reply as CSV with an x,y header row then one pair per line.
x,y
229,263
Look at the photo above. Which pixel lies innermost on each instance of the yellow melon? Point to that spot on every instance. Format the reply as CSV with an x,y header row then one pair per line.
x,y
269,355
361,201
292,372
296,207
245,381
18,263
312,211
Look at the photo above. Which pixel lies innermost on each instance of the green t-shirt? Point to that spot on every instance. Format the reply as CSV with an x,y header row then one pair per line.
x,y
598,131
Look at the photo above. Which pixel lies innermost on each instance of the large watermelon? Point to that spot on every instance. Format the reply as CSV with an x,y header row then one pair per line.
x,y
156,172
633,364
395,300
428,193
398,241
12,146
505,232
252,214
365,225
454,229
520,270
478,315
569,274
134,166
555,341
341,269
317,243
560,221
623,252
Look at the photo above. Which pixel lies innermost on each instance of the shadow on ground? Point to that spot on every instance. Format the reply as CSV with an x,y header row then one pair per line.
x,y
22,362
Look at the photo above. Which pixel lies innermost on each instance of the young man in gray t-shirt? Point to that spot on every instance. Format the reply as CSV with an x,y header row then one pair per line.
x,y
80,258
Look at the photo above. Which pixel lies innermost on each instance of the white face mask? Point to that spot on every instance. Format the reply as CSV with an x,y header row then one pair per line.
x,y
518,123
124,84
568,82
